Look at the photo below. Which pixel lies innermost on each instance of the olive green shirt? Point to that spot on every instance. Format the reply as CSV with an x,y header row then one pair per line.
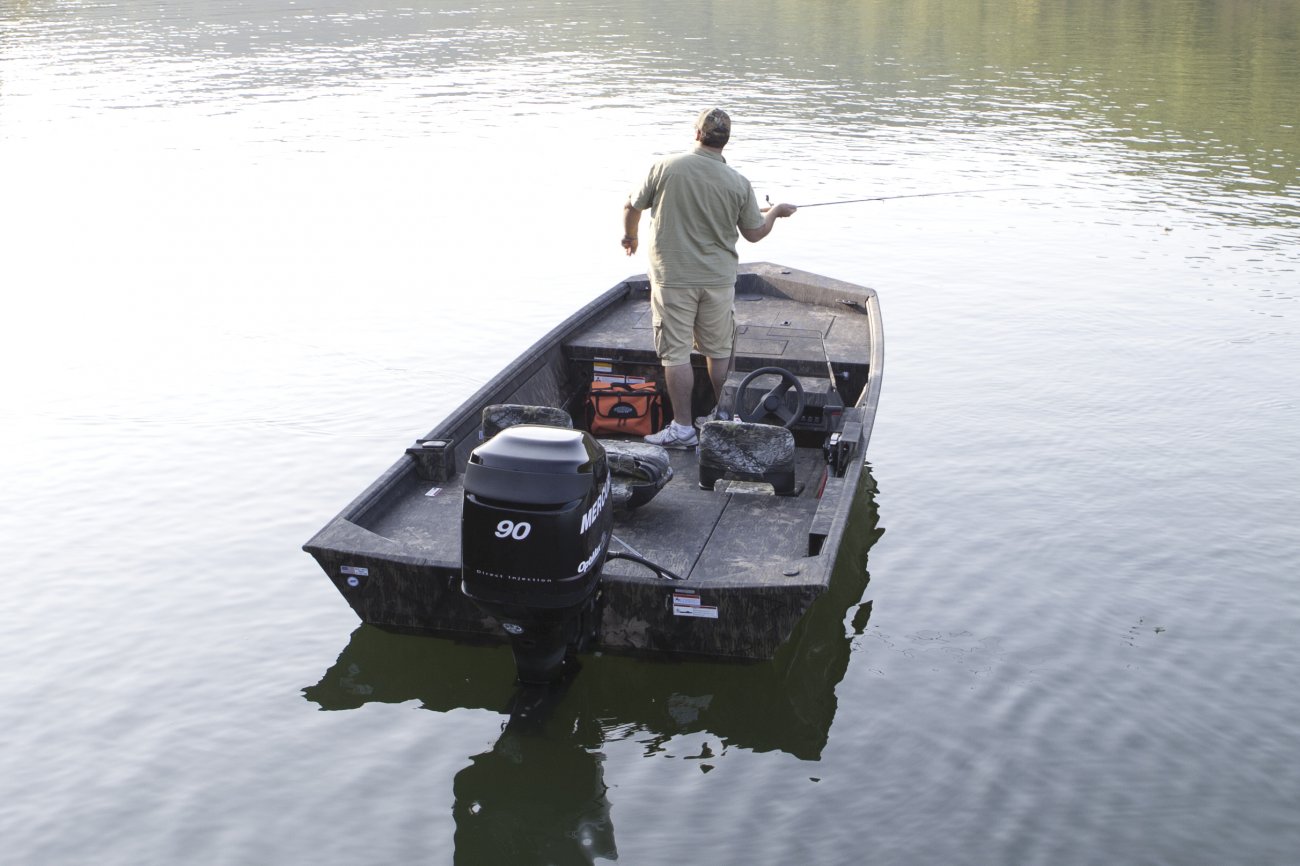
x,y
698,204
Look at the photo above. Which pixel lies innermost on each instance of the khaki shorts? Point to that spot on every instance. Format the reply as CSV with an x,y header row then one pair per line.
x,y
703,318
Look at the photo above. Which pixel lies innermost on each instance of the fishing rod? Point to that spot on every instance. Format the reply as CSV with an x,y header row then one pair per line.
x,y
909,195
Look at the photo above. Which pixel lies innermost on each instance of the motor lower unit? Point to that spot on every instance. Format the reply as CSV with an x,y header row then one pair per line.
x,y
535,532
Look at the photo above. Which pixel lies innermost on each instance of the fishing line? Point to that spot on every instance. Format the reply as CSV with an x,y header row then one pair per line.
x,y
909,195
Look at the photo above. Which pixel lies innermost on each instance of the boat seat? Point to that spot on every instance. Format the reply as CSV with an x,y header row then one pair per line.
x,y
638,470
742,451
499,416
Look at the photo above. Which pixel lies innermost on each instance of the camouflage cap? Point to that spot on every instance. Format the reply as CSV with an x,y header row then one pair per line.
x,y
714,127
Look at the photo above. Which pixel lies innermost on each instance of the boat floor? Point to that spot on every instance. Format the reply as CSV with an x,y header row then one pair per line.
x,y
737,531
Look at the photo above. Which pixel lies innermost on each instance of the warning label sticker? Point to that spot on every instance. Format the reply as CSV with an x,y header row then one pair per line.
x,y
686,603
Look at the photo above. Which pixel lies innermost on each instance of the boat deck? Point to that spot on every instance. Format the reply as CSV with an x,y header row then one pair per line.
x,y
691,532
771,331
736,532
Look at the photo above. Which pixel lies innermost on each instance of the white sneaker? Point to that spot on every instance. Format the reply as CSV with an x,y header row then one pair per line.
x,y
673,436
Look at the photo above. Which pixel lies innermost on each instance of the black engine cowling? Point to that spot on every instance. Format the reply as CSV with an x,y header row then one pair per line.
x,y
535,531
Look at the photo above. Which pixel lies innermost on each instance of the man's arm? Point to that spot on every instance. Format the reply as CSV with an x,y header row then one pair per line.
x,y
631,222
771,215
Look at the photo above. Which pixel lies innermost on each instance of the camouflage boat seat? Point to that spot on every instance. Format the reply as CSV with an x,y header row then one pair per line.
x,y
741,451
499,416
638,470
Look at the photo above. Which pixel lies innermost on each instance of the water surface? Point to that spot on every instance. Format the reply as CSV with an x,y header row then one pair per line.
x,y
250,250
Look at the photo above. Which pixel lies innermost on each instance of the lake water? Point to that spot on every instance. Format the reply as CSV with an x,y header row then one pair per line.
x,y
251,249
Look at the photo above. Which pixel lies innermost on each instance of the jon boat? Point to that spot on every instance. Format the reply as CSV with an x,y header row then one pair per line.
x,y
511,522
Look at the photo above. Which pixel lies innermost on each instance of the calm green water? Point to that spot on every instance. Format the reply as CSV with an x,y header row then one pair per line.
x,y
250,250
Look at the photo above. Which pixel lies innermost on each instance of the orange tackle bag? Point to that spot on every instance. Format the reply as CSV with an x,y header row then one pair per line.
x,y
624,408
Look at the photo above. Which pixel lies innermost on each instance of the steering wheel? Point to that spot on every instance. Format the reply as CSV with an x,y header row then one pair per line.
x,y
772,404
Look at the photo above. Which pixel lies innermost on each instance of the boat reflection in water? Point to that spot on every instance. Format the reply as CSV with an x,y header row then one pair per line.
x,y
540,790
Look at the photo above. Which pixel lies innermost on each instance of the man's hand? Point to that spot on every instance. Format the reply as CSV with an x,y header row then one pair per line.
x,y
770,216
631,220
781,210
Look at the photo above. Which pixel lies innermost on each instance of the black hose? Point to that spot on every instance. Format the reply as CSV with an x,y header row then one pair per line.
x,y
659,570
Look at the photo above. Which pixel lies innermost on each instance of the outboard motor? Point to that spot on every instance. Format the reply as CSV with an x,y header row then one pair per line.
x,y
536,528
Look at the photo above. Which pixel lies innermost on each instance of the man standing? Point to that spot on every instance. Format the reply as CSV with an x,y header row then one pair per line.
x,y
700,205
